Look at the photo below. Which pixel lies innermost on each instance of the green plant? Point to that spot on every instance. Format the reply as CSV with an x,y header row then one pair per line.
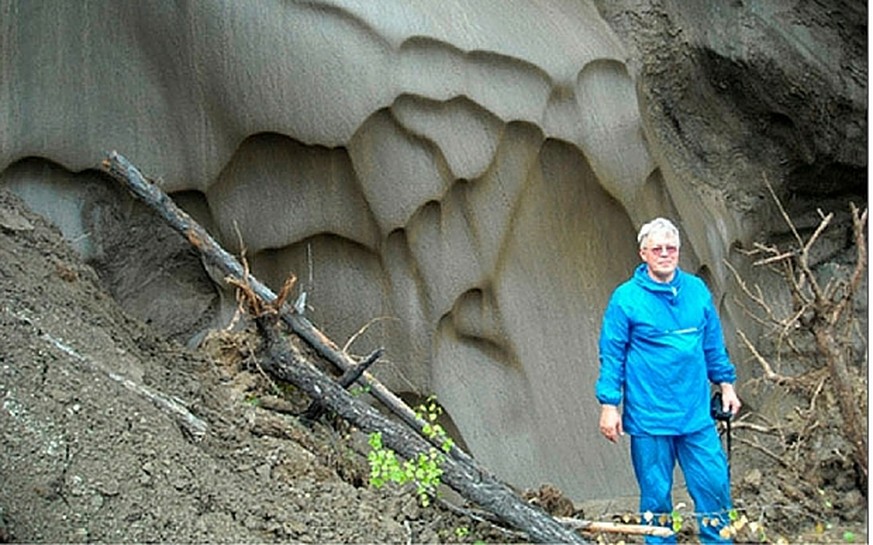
x,y
384,465
676,521
357,391
425,470
430,412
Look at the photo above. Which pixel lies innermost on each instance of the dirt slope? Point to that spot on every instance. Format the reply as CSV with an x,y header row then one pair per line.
x,y
87,456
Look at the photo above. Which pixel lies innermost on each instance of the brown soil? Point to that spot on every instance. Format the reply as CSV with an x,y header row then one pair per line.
x,y
89,455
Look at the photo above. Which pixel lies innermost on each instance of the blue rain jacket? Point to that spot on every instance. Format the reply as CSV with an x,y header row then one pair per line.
x,y
660,347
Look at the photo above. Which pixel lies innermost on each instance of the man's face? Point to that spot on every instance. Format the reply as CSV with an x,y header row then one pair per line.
x,y
661,253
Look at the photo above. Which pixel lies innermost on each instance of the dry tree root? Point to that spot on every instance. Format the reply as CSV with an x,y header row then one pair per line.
x,y
823,312
248,301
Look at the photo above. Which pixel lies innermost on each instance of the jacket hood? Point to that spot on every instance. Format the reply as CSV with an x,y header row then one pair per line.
x,y
642,278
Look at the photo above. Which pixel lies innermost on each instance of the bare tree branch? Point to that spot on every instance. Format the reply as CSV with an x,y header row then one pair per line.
x,y
825,314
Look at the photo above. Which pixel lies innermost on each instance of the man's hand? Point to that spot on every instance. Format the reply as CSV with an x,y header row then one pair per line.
x,y
610,422
729,400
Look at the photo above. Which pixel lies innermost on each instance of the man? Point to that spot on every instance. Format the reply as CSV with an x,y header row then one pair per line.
x,y
661,344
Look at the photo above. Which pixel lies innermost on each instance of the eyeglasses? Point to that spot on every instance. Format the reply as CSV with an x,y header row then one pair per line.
x,y
659,250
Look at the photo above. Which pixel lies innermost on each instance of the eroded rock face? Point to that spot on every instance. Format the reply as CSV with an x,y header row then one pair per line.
x,y
460,180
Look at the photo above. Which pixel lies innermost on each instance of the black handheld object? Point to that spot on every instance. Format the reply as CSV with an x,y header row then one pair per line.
x,y
716,410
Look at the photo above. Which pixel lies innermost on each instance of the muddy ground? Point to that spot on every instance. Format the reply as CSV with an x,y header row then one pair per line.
x,y
91,452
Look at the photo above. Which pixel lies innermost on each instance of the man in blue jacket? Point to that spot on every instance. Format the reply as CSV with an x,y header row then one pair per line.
x,y
661,345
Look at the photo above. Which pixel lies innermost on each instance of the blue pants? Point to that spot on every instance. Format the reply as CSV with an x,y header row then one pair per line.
x,y
706,475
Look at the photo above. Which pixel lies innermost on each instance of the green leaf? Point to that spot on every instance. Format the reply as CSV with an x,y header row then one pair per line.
x,y
677,521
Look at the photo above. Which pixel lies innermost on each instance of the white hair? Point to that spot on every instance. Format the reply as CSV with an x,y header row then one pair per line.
x,y
658,225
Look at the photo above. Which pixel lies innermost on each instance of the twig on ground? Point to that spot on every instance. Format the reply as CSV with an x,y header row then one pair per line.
x,y
758,446
174,408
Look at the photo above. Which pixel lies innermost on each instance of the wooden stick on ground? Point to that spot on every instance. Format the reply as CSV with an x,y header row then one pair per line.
x,y
173,407
460,471
585,526
594,526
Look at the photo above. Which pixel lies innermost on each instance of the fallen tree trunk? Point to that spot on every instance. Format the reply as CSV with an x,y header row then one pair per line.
x,y
461,472
283,362
217,257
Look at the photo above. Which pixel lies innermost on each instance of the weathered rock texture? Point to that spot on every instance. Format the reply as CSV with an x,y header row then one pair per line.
x,y
463,180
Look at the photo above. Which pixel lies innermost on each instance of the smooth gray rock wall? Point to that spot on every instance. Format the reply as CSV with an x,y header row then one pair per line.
x,y
457,181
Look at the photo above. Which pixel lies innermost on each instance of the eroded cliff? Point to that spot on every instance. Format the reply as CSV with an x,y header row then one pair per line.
x,y
460,180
